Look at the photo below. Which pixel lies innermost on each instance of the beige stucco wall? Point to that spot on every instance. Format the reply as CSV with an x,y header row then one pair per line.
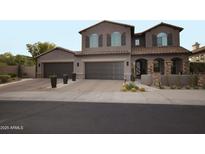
x,y
166,29
107,28
55,56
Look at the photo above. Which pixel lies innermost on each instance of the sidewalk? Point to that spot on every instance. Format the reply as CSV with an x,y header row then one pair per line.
x,y
181,97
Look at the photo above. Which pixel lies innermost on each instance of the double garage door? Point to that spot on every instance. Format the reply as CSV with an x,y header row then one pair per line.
x,y
104,70
58,69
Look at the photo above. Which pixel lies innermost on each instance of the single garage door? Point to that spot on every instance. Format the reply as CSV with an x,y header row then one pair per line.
x,y
104,70
58,68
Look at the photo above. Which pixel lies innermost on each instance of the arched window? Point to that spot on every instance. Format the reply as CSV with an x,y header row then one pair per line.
x,y
162,39
176,66
115,39
159,65
93,41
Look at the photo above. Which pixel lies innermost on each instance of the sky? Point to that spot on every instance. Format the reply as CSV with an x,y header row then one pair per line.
x,y
14,35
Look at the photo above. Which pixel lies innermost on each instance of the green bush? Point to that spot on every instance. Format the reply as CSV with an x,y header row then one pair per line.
x,y
4,78
129,86
13,75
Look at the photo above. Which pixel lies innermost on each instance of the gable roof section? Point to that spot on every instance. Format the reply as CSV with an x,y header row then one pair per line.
x,y
121,24
161,24
56,48
159,50
199,50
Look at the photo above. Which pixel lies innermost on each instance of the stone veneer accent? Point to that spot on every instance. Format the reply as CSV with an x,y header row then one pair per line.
x,y
201,81
150,65
167,67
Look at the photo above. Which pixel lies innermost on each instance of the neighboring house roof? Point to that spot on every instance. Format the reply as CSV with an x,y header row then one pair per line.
x,y
159,50
107,22
199,50
56,48
160,24
88,53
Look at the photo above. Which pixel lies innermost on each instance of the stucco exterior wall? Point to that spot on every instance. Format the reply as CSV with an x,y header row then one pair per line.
x,y
166,29
104,29
80,71
55,56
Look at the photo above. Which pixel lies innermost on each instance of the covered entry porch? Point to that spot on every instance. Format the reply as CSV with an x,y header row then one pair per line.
x,y
164,65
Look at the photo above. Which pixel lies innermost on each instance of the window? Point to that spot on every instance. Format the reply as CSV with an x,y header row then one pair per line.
x,y
93,40
159,65
116,39
137,42
162,39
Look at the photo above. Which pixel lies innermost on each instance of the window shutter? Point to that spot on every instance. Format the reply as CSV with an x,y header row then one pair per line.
x,y
108,40
123,39
87,42
100,40
170,39
154,40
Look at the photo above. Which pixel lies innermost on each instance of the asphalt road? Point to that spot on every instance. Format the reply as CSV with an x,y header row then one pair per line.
x,y
63,117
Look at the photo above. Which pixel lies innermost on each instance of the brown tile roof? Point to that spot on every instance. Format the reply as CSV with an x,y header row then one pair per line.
x,y
56,48
87,53
160,24
159,50
199,50
107,22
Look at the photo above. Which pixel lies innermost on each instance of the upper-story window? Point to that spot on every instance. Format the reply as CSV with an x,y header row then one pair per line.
x,y
93,40
137,42
116,39
162,39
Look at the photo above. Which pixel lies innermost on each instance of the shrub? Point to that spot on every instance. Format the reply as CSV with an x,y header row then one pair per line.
x,y
4,78
133,90
13,75
187,87
179,87
196,87
124,89
142,89
129,86
173,87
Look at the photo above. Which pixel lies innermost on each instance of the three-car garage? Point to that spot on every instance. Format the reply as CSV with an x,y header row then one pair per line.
x,y
61,61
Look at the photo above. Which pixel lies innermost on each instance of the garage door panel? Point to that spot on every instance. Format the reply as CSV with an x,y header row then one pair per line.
x,y
104,70
58,68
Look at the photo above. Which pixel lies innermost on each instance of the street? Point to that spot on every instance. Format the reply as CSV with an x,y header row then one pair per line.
x,y
67,117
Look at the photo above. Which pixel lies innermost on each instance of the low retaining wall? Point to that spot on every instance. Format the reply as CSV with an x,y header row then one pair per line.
x,y
26,71
168,80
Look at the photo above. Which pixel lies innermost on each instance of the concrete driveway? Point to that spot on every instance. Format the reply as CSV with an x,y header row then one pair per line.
x,y
96,91
78,86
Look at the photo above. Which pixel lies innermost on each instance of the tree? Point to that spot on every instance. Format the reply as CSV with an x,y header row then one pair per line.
x,y
39,48
7,58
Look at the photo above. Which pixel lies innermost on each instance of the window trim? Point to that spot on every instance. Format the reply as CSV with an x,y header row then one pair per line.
x,y
116,41
92,40
163,37
138,42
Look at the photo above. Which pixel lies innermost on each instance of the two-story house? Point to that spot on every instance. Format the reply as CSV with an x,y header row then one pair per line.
x,y
110,50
